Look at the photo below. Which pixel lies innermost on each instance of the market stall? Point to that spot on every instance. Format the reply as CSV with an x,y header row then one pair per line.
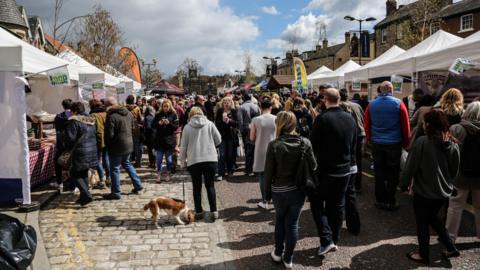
x,y
335,78
320,70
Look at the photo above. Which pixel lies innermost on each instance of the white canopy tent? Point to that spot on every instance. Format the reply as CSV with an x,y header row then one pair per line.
x,y
404,64
320,70
336,77
363,72
442,60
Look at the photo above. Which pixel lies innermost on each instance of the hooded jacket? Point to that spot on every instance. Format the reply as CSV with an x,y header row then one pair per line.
x,y
137,116
118,131
460,131
200,139
432,167
80,135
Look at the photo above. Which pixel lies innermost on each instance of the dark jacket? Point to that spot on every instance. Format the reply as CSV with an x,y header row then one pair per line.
x,y
334,138
227,130
461,131
432,168
282,161
80,135
304,122
148,125
165,138
60,122
118,131
209,110
248,111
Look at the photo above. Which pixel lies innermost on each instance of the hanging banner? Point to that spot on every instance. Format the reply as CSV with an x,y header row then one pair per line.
x,y
58,76
397,82
460,65
99,94
300,75
365,41
432,82
356,85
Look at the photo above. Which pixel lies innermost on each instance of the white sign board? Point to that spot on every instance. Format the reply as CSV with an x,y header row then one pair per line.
x,y
58,76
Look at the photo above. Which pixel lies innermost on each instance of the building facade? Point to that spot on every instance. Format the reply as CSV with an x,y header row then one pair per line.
x,y
461,18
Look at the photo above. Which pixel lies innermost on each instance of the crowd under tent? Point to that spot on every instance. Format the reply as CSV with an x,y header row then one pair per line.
x,y
335,78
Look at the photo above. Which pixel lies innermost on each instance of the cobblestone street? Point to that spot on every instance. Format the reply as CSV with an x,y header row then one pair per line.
x,y
119,234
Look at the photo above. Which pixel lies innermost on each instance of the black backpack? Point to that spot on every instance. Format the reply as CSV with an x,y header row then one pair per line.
x,y
470,163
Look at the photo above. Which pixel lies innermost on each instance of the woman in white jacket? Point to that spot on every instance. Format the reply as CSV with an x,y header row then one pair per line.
x,y
200,139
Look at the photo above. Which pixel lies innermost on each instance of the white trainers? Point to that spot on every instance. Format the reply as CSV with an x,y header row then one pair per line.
x,y
219,178
275,258
54,185
288,265
263,205
324,250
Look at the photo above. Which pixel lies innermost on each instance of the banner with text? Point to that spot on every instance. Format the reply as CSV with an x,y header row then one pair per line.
x,y
58,76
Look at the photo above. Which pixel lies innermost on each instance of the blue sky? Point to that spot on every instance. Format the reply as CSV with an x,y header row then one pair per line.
x,y
219,33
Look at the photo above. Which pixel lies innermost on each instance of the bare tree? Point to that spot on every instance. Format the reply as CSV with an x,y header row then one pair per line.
x,y
99,38
190,68
249,70
56,17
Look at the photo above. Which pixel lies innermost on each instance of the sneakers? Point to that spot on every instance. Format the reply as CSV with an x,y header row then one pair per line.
x,y
275,258
219,178
138,191
251,174
108,182
287,265
159,178
167,177
324,250
214,215
55,185
198,216
263,205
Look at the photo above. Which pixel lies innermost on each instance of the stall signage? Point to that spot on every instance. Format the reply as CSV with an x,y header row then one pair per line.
x,y
356,85
460,65
58,76
397,82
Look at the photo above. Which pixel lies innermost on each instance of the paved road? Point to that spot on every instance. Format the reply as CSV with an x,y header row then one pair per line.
x,y
384,240
118,234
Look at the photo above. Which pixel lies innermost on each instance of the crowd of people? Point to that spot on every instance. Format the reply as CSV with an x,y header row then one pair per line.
x,y
418,145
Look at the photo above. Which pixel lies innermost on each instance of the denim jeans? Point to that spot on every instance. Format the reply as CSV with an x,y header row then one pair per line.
x,y
137,150
249,148
122,160
103,166
288,206
168,157
261,182
328,208
205,170
227,157
386,162
426,214
352,217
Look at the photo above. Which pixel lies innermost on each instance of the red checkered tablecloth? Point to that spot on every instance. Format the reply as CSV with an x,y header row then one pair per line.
x,y
42,164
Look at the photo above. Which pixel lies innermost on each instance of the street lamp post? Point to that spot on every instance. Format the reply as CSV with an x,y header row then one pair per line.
x,y
369,19
147,74
272,62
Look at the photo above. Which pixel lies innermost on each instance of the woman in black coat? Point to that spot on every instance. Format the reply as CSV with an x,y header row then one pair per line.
x,y
80,138
165,123
226,122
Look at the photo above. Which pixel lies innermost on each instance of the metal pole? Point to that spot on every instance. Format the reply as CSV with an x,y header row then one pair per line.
x,y
361,51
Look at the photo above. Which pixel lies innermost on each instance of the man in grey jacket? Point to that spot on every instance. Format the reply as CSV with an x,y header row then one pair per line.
x,y
247,112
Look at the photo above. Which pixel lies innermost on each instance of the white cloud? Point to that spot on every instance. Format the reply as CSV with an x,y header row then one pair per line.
x,y
170,31
272,10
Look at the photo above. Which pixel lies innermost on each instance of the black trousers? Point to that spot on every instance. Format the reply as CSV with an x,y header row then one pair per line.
x,y
427,214
386,160
359,156
205,171
352,216
328,208
249,151
80,178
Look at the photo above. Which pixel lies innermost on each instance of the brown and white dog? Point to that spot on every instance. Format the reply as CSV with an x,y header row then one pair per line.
x,y
173,207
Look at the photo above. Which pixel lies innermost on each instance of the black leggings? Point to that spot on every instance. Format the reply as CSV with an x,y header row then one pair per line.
x,y
207,171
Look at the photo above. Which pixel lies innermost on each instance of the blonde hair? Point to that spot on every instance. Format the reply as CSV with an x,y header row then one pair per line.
x,y
230,102
310,108
169,103
288,105
276,101
195,111
285,123
451,102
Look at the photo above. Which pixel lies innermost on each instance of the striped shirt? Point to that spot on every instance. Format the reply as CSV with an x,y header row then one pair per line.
x,y
283,188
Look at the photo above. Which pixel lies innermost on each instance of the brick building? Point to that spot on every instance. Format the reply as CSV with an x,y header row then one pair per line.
x,y
461,19
329,56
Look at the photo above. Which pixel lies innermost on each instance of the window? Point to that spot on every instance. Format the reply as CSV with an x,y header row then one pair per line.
x,y
384,35
434,27
466,22
399,31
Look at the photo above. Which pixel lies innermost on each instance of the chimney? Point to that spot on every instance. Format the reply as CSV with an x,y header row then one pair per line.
x,y
391,7
325,43
347,37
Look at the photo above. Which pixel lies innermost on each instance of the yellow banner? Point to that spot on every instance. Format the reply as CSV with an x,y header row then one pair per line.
x,y
300,75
